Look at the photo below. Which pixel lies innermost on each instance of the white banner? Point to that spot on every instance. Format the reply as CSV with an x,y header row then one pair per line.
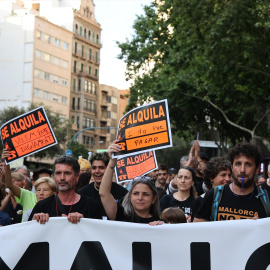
x,y
101,245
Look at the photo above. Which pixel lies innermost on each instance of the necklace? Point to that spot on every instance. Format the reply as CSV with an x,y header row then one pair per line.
x,y
96,188
242,189
62,207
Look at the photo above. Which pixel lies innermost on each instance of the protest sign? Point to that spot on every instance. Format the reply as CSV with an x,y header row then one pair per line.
x,y
101,244
27,134
144,128
135,165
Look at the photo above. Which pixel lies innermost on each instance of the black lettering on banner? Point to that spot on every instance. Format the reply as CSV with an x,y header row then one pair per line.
x,y
141,256
36,256
259,259
3,266
91,255
200,256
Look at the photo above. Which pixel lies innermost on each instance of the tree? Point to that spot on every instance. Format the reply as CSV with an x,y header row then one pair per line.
x,y
79,150
210,60
60,128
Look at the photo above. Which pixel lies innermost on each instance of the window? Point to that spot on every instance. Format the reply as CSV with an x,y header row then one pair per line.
x,y
47,76
47,38
47,57
37,93
64,100
55,79
114,100
89,87
75,64
38,34
97,39
85,86
72,119
76,47
56,42
81,67
90,70
46,95
79,86
76,28
79,104
55,97
90,54
65,46
85,32
93,37
64,82
37,73
82,50
74,85
89,35
97,60
73,103
80,30
93,88
78,122
96,73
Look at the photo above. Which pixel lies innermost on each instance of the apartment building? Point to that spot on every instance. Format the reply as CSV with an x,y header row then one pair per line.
x,y
50,54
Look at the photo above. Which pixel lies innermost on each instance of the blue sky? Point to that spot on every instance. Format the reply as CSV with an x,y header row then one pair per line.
x,y
116,18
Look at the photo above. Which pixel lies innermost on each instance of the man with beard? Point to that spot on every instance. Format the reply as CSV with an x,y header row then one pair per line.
x,y
240,199
99,163
67,202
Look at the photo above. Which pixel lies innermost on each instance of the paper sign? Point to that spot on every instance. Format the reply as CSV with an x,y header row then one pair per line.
x,y
144,128
27,134
135,165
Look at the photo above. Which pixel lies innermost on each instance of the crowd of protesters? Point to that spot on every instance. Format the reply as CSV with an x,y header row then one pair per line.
x,y
201,190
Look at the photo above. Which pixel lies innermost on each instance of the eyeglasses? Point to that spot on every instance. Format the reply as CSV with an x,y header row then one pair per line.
x,y
138,178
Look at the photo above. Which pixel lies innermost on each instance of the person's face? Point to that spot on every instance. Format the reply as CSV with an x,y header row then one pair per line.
x,y
98,170
223,177
84,170
43,190
142,198
261,180
22,171
65,177
18,183
162,176
200,170
244,167
184,180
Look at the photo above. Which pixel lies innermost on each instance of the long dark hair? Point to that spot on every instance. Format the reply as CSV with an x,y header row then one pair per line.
x,y
128,207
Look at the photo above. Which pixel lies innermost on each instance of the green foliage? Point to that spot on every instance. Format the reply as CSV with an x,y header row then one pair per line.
x,y
79,150
192,52
171,156
59,127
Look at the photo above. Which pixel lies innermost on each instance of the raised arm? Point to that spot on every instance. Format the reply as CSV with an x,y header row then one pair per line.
x,y
197,155
15,189
106,197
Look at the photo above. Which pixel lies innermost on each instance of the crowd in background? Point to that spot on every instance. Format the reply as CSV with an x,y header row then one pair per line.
x,y
78,188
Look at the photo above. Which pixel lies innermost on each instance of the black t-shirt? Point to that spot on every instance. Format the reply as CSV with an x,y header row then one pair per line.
x,y
120,216
195,207
169,201
232,207
15,214
117,191
88,207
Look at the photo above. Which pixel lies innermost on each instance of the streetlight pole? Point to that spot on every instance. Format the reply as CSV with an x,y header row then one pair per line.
x,y
87,129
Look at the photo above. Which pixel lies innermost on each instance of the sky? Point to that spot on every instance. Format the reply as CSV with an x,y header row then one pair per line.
x,y
116,18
